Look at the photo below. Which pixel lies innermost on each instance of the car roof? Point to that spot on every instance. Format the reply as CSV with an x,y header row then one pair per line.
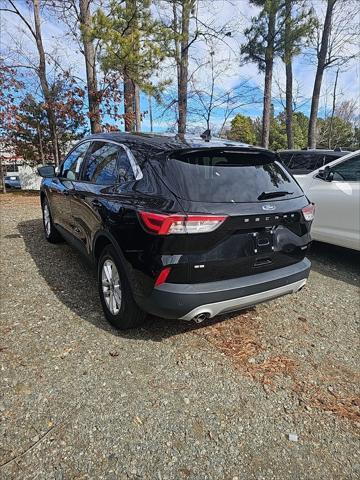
x,y
166,142
158,147
337,153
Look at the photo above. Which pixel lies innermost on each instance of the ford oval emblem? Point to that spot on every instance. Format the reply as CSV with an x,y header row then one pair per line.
x,y
268,207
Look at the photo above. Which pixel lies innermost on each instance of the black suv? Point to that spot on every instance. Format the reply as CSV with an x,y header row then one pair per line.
x,y
302,162
179,229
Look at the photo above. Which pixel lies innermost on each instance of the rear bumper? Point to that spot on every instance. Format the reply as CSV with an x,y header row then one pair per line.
x,y
185,301
234,304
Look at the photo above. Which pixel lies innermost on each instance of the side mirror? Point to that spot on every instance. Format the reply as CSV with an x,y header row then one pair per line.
x,y
321,174
326,174
47,171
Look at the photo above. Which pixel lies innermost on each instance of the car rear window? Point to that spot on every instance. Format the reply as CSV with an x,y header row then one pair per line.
x,y
225,177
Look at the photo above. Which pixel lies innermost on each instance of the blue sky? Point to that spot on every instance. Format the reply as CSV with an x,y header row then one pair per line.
x,y
215,13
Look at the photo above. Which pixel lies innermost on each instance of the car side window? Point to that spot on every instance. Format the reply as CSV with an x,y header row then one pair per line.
x,y
101,165
299,161
285,158
327,159
107,164
126,173
315,162
348,171
71,166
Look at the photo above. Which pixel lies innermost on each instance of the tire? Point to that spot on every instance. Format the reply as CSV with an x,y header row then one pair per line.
x,y
118,304
50,231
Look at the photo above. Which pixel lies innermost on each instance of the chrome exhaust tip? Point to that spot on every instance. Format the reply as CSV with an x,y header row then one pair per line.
x,y
201,317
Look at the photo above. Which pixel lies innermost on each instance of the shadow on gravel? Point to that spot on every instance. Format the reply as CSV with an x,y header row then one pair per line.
x,y
72,279
336,262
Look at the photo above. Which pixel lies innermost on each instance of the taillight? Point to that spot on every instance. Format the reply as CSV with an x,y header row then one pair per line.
x,y
309,212
162,224
163,275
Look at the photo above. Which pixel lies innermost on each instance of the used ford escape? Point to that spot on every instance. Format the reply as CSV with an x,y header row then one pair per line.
x,y
179,229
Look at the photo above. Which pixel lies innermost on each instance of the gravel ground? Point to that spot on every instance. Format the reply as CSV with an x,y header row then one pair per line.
x,y
272,393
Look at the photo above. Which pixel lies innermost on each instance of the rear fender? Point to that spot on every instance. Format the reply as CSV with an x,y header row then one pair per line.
x,y
100,241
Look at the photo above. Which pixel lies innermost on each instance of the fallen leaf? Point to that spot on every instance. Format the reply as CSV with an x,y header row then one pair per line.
x,y
186,472
65,352
138,420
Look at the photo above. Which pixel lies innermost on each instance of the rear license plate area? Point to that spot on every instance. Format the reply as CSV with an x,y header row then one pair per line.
x,y
263,242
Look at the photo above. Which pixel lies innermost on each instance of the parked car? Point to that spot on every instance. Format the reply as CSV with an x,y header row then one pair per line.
x,y
335,190
179,229
302,162
12,181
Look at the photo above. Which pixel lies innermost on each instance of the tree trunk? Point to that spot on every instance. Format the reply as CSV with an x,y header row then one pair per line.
x,y
41,149
129,101
137,110
333,111
44,83
289,77
319,74
90,64
187,6
212,90
2,175
289,106
150,113
131,121
269,63
176,41
265,133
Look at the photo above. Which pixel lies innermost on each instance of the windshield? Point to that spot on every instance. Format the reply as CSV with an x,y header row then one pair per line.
x,y
225,177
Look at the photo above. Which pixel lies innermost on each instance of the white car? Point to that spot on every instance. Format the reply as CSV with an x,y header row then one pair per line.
x,y
335,190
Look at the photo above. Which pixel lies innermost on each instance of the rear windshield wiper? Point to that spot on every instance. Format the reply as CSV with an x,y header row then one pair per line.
x,y
279,193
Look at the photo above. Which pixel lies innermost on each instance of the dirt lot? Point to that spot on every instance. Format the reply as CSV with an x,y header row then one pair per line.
x,y
79,400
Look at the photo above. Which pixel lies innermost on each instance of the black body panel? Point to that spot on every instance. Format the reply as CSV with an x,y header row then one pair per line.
x,y
174,301
252,239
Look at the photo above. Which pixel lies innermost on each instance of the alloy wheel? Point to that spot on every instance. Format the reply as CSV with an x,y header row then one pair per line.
x,y
111,287
47,220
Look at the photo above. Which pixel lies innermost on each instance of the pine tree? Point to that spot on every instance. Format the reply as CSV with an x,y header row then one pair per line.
x,y
321,65
242,129
263,43
297,23
85,21
133,44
